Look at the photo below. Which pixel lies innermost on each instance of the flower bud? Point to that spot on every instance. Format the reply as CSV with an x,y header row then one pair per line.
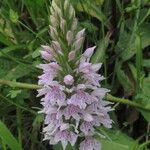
x,y
56,8
71,55
53,21
66,4
80,34
89,52
68,80
78,44
53,32
74,24
56,46
62,25
71,12
45,55
69,37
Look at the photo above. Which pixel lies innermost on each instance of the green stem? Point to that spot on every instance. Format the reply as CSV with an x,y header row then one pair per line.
x,y
19,84
124,101
138,61
108,96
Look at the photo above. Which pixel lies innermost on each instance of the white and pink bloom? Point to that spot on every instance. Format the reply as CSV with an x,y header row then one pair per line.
x,y
72,96
90,144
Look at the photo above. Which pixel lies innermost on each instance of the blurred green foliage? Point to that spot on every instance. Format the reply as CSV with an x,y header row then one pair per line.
x,y
121,31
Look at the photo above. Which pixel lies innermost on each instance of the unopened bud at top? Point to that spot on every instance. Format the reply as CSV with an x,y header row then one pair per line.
x,y
71,12
56,8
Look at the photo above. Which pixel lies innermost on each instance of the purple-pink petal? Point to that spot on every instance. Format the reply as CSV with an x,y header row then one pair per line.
x,y
90,144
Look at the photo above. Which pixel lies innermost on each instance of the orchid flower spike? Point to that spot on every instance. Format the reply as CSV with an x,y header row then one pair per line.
x,y
72,96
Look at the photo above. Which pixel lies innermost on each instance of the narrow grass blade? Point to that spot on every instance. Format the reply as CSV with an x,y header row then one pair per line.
x,y
8,138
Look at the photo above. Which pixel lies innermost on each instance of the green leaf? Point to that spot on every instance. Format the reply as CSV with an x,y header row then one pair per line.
x,y
5,40
145,32
11,48
117,141
91,28
124,80
126,46
19,71
5,66
99,55
99,2
14,93
92,9
144,98
8,138
36,53
36,9
13,16
38,120
133,71
146,63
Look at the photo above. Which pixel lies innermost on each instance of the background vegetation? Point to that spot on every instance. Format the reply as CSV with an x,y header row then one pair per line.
x,y
121,31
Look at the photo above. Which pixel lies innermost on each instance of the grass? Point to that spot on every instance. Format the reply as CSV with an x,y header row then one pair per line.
x,y
120,30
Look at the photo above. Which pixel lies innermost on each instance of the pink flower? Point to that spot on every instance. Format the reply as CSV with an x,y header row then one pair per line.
x,y
49,72
89,52
100,92
81,99
100,113
47,53
53,66
55,96
87,128
51,118
90,144
64,137
72,97
89,72
53,125
72,111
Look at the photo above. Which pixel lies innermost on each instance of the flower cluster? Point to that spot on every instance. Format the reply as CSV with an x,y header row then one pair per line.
x,y
72,95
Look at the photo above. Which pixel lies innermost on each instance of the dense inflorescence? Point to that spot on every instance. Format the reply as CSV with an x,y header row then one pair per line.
x,y
72,94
